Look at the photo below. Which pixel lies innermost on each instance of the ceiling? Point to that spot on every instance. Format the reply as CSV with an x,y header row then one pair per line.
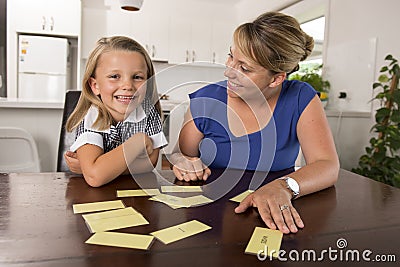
x,y
266,4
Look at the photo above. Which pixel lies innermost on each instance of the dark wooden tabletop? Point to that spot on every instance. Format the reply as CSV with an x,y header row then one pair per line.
x,y
38,227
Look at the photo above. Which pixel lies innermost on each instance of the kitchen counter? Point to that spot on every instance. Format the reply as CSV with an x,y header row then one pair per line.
x,y
347,113
166,105
29,103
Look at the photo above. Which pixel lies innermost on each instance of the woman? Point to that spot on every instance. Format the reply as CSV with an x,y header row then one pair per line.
x,y
254,103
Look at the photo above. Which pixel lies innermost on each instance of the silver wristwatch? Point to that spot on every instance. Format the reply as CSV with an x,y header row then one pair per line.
x,y
292,185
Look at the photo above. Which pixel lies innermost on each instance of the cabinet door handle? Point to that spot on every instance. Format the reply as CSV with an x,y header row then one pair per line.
x,y
187,55
153,52
193,56
51,23
43,22
213,59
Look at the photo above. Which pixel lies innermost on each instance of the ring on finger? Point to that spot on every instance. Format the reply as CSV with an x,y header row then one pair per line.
x,y
184,173
284,207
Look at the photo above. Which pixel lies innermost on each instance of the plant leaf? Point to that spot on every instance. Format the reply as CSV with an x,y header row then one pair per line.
x,y
383,78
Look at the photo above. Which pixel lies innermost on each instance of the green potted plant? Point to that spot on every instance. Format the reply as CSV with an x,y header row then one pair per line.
x,y
311,74
382,160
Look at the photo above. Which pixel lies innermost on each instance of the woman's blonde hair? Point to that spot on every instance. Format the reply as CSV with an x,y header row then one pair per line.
x,y
274,41
88,98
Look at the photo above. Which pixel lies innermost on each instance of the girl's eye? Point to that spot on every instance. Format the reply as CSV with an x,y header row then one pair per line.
x,y
114,76
138,77
230,55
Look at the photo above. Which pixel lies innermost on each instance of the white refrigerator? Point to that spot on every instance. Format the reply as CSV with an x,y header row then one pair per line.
x,y
43,68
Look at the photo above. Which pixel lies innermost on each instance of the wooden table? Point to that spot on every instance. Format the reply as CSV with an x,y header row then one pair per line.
x,y
38,227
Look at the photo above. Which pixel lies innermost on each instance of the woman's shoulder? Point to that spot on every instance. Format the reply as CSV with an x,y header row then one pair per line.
x,y
214,90
298,87
297,94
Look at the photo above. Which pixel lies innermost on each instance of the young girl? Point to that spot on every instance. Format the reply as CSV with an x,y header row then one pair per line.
x,y
117,118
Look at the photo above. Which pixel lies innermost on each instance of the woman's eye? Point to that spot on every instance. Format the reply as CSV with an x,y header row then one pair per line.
x,y
230,55
114,76
244,69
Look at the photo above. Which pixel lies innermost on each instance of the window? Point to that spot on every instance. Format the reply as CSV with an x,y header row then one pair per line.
x,y
316,29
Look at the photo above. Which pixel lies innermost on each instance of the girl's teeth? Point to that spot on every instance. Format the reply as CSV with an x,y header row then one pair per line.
x,y
124,97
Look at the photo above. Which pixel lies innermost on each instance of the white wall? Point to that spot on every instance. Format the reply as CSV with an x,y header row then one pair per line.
x,y
360,34
353,25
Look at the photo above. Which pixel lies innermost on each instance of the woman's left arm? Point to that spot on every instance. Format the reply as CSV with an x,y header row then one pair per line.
x,y
273,200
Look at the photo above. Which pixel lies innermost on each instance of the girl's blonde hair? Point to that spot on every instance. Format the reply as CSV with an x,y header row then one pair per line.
x,y
274,41
88,98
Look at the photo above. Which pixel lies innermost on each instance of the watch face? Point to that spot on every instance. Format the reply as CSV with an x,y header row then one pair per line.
x,y
293,185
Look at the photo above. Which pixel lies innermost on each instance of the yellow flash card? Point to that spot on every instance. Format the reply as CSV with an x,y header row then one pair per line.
x,y
138,192
173,201
197,200
121,240
265,242
180,231
180,189
241,196
109,214
98,206
113,223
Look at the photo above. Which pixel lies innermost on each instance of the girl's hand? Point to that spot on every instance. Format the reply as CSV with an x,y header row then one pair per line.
x,y
148,145
273,202
73,162
189,168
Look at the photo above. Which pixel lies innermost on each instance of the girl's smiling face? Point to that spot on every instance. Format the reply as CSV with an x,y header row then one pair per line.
x,y
120,80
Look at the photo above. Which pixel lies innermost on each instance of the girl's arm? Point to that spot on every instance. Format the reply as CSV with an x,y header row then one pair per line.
x,y
140,165
144,164
99,168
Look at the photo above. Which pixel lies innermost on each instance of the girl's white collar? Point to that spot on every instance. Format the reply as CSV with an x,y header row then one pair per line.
x,y
136,115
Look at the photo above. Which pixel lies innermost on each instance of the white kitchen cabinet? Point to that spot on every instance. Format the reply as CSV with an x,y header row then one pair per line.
x,y
180,41
55,17
91,34
222,38
149,27
190,41
152,33
118,22
201,41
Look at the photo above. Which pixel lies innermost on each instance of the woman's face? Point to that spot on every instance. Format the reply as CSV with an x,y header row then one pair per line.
x,y
120,81
246,79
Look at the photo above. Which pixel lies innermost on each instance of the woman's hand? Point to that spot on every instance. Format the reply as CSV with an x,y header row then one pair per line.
x,y
273,202
189,168
73,162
